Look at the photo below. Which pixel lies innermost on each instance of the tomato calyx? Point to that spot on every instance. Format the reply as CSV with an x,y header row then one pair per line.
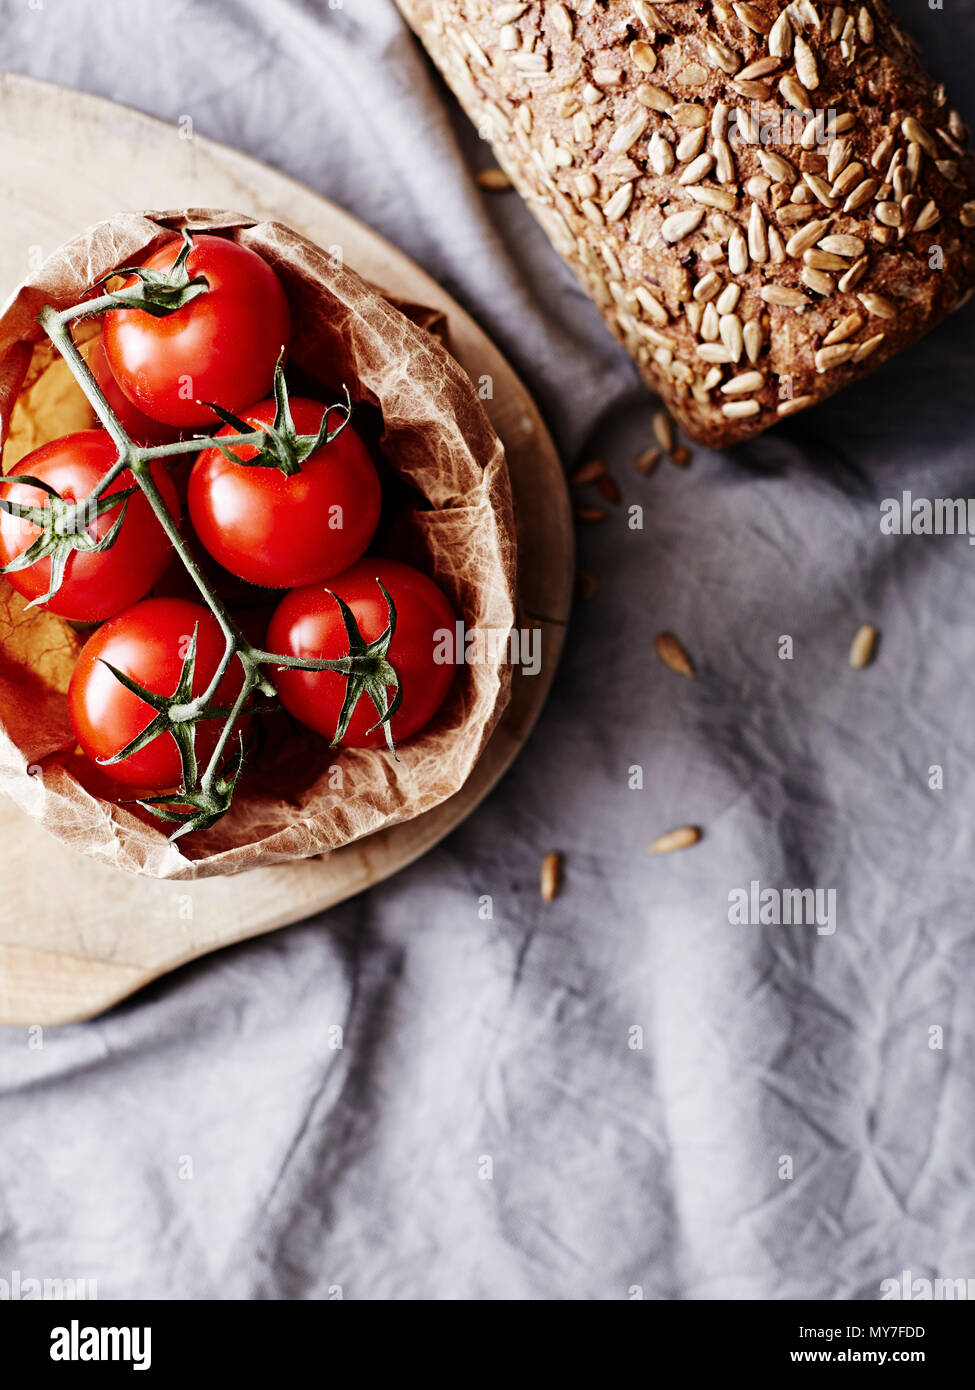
x,y
199,808
283,448
367,670
176,714
157,292
63,528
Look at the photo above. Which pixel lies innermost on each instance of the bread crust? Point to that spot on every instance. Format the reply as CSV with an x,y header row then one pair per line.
x,y
765,200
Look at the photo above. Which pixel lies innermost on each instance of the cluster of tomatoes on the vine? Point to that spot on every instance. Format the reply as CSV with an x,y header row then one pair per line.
x,y
296,511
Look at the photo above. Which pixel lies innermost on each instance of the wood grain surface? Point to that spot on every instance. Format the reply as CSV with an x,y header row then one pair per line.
x,y
68,160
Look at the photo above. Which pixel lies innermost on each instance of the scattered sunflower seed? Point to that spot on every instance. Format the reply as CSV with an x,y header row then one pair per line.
x,y
588,472
647,460
550,880
683,838
673,654
864,647
494,180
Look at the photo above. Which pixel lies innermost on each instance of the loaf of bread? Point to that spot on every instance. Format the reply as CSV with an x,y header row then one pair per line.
x,y
765,200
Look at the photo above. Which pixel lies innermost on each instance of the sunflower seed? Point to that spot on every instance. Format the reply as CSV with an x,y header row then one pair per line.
x,y
709,324
762,67
551,876
807,68
727,300
927,217
655,98
797,403
752,17
529,62
714,352
683,838
845,182
495,180
651,306
854,275
697,169
729,327
690,145
740,410
914,130
744,385
793,213
618,204
646,461
673,654
723,57
805,237
505,14
587,472
878,305
888,214
843,330
842,245
644,55
711,197
782,296
863,647
663,430
689,115
681,224
780,37
692,76
834,356
754,340
861,194
777,166
838,158
707,287
660,154
627,133
823,260
724,162
737,253
757,239
871,344
796,94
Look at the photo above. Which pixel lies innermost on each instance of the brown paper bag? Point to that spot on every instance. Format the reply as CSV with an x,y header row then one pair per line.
x,y
435,435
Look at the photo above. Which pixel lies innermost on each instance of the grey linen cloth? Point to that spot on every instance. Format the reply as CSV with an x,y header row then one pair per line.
x,y
623,1092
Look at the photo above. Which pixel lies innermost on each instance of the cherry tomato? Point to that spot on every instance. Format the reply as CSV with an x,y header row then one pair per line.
x,y
147,642
283,531
96,584
222,346
308,623
139,428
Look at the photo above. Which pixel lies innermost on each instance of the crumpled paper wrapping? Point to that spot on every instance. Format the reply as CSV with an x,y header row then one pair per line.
x,y
435,435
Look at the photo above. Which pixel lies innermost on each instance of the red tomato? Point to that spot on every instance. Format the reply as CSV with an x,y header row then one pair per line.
x,y
147,642
139,428
308,623
222,346
282,531
95,585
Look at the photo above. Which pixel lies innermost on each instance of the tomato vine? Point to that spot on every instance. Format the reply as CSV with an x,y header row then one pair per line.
x,y
207,789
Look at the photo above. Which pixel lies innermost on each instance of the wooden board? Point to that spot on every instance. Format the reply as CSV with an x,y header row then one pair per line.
x,y
67,160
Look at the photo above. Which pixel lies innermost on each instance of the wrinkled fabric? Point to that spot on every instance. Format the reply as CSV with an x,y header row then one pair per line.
x,y
447,1088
